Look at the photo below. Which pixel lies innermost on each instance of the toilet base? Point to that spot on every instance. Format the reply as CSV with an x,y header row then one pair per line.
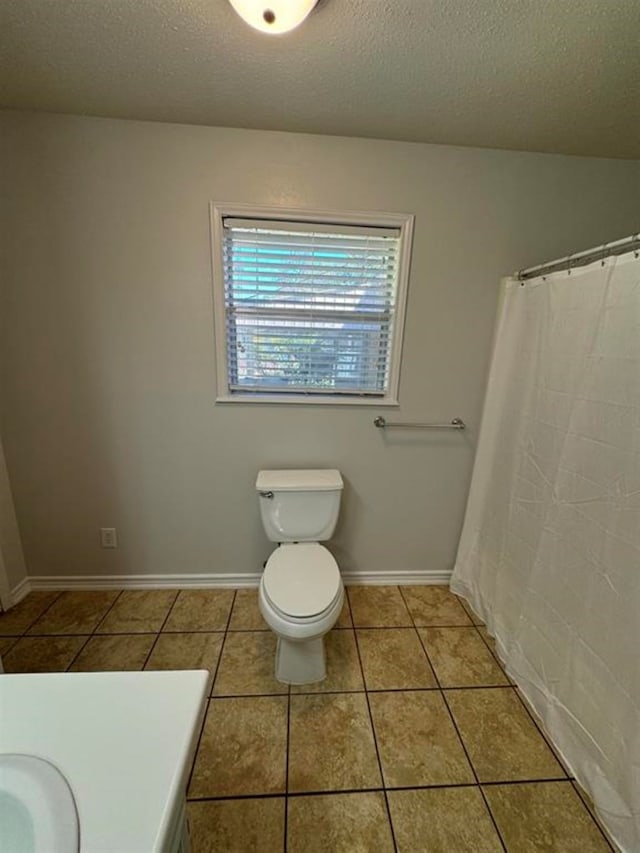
x,y
300,662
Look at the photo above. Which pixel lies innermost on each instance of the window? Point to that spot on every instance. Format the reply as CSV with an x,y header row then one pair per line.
x,y
309,307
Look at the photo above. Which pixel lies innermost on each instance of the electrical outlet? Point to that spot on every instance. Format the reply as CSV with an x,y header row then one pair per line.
x,y
108,537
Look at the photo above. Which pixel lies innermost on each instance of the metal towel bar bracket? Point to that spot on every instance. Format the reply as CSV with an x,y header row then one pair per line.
x,y
456,423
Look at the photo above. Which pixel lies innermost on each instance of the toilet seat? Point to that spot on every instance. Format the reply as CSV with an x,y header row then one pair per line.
x,y
301,581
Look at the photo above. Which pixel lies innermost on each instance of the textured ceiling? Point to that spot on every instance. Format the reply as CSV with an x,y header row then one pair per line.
x,y
538,75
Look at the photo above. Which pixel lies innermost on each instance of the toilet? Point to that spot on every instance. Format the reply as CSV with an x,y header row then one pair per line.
x,y
301,590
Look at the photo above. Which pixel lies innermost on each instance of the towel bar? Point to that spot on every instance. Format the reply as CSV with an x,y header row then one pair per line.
x,y
456,423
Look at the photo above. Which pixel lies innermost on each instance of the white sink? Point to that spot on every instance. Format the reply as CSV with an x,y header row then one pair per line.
x,y
37,810
124,741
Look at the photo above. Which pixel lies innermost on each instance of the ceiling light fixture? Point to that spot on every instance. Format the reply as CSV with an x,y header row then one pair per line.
x,y
273,16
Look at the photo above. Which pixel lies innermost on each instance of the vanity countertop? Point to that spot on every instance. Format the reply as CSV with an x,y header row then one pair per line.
x,y
123,740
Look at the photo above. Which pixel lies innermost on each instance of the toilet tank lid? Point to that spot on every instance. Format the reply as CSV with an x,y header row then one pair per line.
x,y
308,480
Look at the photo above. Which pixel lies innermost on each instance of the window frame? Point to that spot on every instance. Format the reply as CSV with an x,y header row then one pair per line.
x,y
403,222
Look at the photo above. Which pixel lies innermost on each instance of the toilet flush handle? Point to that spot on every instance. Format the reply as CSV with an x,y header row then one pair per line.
x,y
268,495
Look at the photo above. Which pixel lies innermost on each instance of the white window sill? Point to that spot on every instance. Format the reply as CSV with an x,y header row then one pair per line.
x,y
308,400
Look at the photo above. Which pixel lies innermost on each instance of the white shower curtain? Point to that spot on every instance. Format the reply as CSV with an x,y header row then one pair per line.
x,y
550,550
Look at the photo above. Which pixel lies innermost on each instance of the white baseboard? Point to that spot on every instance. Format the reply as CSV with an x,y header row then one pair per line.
x,y
21,590
396,578
181,581
205,581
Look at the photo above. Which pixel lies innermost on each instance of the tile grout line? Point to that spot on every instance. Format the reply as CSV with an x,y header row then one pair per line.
x,y
286,779
216,697
541,731
248,630
293,795
208,698
130,633
286,772
321,793
373,729
477,687
40,615
159,631
226,631
455,726
109,609
514,687
434,689
567,777
23,634
492,651
92,634
398,627
378,790
11,641
576,787
493,783
170,631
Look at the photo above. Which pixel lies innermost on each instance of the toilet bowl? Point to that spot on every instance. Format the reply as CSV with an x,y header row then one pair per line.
x,y
301,595
301,591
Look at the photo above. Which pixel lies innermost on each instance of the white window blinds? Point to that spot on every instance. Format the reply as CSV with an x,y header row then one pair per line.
x,y
309,307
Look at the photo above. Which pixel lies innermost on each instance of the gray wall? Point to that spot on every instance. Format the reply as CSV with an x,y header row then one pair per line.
x,y
107,351
12,566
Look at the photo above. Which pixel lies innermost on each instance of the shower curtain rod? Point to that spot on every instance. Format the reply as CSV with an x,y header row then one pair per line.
x,y
581,259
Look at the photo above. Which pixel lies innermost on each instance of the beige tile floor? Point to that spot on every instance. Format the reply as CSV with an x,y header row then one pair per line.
x,y
416,741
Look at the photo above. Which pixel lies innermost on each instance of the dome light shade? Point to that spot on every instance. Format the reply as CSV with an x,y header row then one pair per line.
x,y
273,16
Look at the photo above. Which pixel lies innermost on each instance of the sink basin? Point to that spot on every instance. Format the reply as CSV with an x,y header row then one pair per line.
x,y
37,810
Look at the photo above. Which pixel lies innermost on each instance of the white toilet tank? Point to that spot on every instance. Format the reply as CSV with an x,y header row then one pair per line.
x,y
299,505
